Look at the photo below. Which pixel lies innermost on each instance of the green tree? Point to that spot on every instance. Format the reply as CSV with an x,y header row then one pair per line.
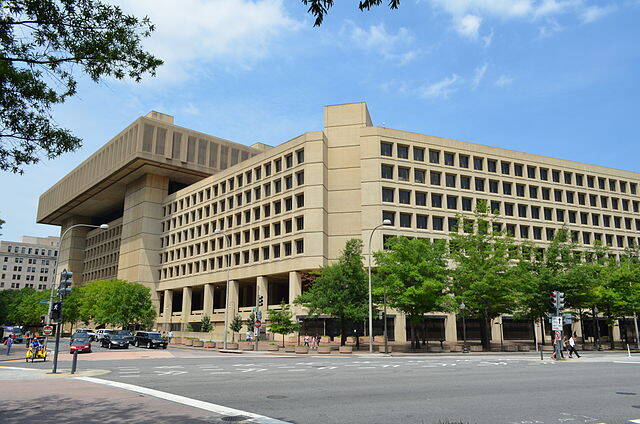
x,y
341,290
412,274
29,309
2,222
319,8
540,274
250,322
117,303
205,324
235,326
42,45
482,275
281,321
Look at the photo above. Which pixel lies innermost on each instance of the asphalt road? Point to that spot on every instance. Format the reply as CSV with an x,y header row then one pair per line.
x,y
421,390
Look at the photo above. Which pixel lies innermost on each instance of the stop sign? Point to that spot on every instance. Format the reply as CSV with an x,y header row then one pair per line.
x,y
258,324
47,330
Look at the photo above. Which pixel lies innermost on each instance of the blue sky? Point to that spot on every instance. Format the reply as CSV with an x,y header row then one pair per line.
x,y
553,77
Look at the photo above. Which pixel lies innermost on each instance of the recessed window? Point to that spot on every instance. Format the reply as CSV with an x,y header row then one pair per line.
x,y
520,190
601,183
568,177
452,224
387,194
479,184
464,161
419,176
449,159
388,215
467,204
403,174
506,167
450,180
421,222
404,196
533,192
518,170
555,175
590,181
492,165
403,151
434,178
557,195
506,188
508,209
387,171
612,185
544,174
436,200
434,156
579,180
421,198
531,171
493,186
522,211
437,223
478,163
495,207
535,212
418,154
465,182
452,202
405,220
386,149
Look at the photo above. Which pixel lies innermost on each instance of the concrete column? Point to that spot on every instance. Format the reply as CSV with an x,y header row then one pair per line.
x,y
616,331
496,329
538,329
186,306
295,285
72,248
207,304
262,285
450,329
400,327
168,305
232,292
139,259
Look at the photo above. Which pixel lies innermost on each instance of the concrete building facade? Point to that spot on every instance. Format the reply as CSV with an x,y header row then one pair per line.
x,y
29,262
189,211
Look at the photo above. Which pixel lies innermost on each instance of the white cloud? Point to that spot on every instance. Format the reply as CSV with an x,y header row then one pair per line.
x,y
503,81
593,13
487,39
377,39
441,89
550,28
230,33
478,75
468,26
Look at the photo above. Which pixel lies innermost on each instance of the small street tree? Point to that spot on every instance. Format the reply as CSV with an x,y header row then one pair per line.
x,y
205,324
412,274
250,322
483,276
341,290
281,321
235,326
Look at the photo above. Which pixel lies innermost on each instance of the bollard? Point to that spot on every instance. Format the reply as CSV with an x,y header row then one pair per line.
x,y
541,354
628,350
74,364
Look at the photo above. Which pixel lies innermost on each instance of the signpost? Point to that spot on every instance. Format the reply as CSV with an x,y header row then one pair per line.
x,y
47,330
556,323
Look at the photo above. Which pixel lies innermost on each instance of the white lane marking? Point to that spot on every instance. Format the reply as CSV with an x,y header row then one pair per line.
x,y
287,366
128,372
21,369
220,372
627,362
297,370
170,372
635,421
244,365
207,406
326,368
365,368
169,366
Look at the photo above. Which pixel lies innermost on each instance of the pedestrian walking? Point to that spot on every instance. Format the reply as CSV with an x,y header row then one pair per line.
x,y
9,343
170,336
317,341
572,347
247,336
306,340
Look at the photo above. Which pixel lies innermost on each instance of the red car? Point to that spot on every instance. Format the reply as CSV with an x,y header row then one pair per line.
x,y
80,345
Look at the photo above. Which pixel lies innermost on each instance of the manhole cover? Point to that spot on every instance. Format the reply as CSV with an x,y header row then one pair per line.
x,y
234,418
276,397
626,393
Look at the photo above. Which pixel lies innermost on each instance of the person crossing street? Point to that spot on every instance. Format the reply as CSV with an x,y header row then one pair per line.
x,y
572,347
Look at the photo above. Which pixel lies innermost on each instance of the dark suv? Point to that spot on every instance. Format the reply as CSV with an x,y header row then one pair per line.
x,y
150,340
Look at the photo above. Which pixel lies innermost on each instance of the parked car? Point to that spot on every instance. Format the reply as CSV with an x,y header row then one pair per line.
x,y
150,340
126,334
78,335
113,340
80,345
100,333
14,331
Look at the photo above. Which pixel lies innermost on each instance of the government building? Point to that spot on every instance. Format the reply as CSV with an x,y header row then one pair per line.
x,y
29,262
189,212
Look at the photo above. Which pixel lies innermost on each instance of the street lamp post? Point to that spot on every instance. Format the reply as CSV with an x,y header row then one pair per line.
x,y
384,222
501,337
226,296
464,329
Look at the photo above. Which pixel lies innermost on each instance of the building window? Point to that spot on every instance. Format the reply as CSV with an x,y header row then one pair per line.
x,y
421,222
555,176
479,184
478,163
506,167
300,156
418,154
522,211
508,209
403,174
387,194
405,220
419,176
531,171
299,246
436,200
434,156
535,212
517,170
404,197
450,180
464,161
465,182
533,192
506,188
386,149
438,223
403,151
492,165
421,198
449,159
466,204
391,216
387,171
452,202
434,178
520,190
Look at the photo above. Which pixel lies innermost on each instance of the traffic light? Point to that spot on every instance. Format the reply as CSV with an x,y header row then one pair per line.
x,y
56,311
560,300
65,283
554,299
260,300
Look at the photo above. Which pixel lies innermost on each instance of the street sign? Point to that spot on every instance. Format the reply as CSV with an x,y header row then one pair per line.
x,y
556,323
47,330
259,315
258,324
44,302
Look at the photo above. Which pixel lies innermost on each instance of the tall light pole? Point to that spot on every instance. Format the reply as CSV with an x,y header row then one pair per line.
x,y
55,268
384,222
226,295
464,329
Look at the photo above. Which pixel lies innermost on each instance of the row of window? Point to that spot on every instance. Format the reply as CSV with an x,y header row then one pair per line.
x,y
265,253
110,259
18,268
104,235
27,277
451,224
100,274
241,237
521,210
32,251
17,285
510,189
243,178
234,201
248,216
98,250
507,168
31,261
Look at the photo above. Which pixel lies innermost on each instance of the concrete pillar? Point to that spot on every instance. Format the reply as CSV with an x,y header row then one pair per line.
x,y
207,304
186,306
295,285
262,285
232,292
616,331
450,329
400,327
139,259
538,329
72,248
168,305
496,329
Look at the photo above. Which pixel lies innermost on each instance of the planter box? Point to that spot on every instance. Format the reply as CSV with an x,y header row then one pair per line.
x,y
302,350
345,349
456,348
290,349
324,349
524,348
198,343
475,348
246,346
511,348
176,341
232,346
209,345
389,349
273,348
187,342
435,349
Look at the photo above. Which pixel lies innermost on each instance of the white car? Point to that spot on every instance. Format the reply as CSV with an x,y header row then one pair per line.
x,y
99,334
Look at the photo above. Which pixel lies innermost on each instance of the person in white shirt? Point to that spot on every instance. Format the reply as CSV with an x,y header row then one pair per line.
x,y
572,347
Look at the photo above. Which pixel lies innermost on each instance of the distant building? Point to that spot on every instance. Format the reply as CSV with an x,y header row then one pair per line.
x,y
29,262
187,211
